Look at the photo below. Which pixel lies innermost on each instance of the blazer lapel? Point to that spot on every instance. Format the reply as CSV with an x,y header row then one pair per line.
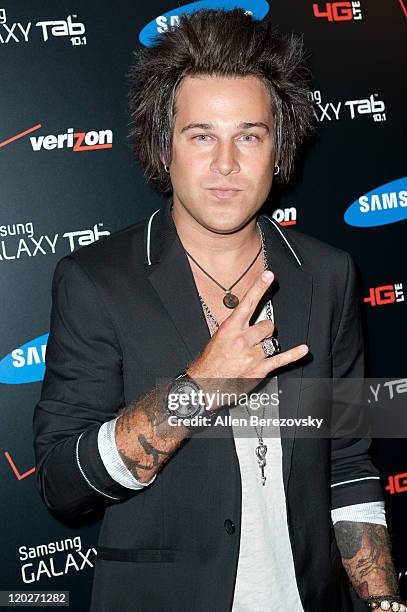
x,y
291,296
174,283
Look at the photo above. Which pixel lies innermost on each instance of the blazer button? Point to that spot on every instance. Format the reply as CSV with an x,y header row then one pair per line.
x,y
229,526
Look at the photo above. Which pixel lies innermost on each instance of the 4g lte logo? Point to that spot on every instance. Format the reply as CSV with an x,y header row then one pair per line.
x,y
339,11
385,294
397,483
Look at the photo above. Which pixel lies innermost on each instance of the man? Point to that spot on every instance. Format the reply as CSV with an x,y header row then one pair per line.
x,y
195,521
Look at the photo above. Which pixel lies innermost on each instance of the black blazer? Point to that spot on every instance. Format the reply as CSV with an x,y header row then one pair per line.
x,y
125,310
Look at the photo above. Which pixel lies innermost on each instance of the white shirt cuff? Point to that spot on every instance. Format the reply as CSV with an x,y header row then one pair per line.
x,y
112,460
369,512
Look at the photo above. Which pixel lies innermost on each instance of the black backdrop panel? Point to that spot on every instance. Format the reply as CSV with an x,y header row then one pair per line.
x,y
69,77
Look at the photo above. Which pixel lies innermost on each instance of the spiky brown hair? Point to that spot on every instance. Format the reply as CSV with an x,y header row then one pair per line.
x,y
221,43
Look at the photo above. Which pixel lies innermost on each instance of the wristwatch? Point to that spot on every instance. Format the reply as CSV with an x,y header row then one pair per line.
x,y
185,398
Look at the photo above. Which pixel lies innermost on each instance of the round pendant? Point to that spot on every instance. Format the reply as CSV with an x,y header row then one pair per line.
x,y
230,300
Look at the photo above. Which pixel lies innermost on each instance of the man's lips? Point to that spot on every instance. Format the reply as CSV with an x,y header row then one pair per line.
x,y
224,192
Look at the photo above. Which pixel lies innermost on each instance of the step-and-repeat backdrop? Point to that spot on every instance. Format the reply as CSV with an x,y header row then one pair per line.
x,y
68,178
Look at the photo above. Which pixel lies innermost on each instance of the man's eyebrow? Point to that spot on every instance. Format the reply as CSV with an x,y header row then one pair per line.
x,y
200,126
246,125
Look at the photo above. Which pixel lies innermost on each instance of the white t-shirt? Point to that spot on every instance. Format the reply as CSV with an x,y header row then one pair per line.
x,y
265,574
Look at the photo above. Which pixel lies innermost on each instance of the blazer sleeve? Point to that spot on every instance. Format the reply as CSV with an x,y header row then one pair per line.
x,y
354,477
82,388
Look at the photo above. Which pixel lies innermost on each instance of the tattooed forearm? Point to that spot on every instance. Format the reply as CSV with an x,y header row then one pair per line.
x,y
366,555
144,439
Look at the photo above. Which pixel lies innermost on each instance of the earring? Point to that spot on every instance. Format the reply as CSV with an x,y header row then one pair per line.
x,y
276,170
166,169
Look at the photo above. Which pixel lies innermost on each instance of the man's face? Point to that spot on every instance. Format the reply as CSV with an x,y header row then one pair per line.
x,y
223,150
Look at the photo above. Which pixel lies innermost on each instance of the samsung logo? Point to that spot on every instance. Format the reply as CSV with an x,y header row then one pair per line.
x,y
381,206
25,364
170,19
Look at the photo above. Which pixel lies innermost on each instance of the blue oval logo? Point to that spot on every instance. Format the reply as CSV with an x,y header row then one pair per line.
x,y
381,206
26,364
170,19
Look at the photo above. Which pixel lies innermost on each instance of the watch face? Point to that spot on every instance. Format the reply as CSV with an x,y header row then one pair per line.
x,y
184,399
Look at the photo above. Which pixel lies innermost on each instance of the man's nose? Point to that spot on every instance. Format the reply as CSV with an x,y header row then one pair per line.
x,y
225,160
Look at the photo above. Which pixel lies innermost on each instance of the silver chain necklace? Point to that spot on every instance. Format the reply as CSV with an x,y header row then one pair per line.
x,y
261,448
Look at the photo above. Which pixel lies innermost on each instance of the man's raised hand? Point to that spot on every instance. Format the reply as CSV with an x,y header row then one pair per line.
x,y
235,350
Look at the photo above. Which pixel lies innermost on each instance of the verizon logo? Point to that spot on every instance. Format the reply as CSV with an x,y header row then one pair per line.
x,y
77,141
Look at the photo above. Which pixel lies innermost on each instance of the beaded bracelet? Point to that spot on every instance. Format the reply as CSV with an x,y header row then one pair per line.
x,y
386,602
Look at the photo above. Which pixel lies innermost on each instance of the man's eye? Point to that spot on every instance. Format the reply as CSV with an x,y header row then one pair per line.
x,y
252,137
201,137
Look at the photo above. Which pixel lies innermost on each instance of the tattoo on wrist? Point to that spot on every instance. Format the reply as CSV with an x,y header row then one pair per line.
x,y
147,450
134,466
366,555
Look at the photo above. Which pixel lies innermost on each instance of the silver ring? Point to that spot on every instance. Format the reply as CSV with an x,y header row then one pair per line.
x,y
270,346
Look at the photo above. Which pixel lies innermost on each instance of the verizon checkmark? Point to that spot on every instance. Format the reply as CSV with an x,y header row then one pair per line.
x,y
15,470
17,136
